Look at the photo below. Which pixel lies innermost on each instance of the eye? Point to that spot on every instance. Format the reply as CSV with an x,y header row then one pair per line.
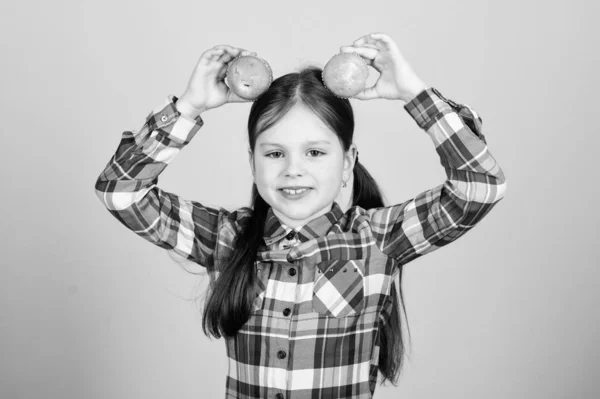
x,y
316,153
271,154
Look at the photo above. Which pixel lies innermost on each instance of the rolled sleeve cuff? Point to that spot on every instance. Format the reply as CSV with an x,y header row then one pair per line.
x,y
427,107
169,121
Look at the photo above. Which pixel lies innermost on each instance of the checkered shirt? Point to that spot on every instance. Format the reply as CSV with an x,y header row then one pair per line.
x,y
323,292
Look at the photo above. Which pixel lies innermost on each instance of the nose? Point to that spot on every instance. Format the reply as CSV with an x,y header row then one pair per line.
x,y
294,166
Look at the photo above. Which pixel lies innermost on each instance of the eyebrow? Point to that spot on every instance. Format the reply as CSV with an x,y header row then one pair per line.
x,y
308,143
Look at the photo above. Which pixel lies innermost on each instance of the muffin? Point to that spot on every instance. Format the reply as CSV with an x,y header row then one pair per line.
x,y
248,76
345,74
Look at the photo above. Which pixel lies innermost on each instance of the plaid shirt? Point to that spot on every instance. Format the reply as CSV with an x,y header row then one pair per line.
x,y
323,292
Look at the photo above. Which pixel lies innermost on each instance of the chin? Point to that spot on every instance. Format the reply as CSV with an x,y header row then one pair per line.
x,y
299,214
302,212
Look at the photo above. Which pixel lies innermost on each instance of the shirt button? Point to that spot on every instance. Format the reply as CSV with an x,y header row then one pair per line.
x,y
287,311
290,235
164,118
281,354
279,396
292,272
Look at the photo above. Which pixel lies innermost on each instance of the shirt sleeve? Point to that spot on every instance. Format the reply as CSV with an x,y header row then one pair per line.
x,y
475,183
128,187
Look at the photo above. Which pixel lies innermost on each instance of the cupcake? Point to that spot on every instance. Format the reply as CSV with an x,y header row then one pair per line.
x,y
248,76
345,74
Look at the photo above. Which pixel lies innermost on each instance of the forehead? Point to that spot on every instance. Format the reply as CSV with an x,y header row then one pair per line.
x,y
298,126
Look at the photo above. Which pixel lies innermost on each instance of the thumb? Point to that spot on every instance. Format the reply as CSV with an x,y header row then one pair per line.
x,y
370,93
234,98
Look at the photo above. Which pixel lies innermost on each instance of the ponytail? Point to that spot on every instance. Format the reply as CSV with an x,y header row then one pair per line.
x,y
366,192
230,303
367,195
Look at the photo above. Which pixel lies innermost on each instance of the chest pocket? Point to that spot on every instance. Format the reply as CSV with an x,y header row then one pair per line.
x,y
339,289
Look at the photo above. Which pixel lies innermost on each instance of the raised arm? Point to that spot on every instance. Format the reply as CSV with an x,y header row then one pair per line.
x,y
475,183
128,184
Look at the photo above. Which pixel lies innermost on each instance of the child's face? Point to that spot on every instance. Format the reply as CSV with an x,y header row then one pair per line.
x,y
300,151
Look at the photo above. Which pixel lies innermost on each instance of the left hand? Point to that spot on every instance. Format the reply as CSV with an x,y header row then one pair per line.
x,y
398,81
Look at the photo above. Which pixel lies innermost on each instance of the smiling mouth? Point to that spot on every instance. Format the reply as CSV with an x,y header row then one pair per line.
x,y
294,191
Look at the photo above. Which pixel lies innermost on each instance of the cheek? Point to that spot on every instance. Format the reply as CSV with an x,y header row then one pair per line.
x,y
265,174
333,175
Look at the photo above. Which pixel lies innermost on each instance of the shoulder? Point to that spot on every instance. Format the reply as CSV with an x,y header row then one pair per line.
x,y
375,219
355,219
232,222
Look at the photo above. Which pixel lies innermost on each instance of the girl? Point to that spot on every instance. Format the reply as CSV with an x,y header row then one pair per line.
x,y
302,289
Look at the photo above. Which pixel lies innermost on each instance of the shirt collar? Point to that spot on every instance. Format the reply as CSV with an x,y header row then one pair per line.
x,y
275,230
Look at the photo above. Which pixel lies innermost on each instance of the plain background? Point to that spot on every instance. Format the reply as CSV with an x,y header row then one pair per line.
x,y
90,310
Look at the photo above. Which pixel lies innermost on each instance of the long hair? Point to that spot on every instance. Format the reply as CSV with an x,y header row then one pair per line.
x,y
229,306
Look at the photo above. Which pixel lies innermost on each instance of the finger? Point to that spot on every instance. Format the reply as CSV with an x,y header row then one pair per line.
x,y
382,37
361,40
212,53
246,52
367,53
370,45
222,73
227,57
385,42
234,98
225,47
377,40
210,56
232,51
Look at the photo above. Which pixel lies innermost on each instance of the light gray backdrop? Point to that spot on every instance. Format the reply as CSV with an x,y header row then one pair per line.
x,y
90,310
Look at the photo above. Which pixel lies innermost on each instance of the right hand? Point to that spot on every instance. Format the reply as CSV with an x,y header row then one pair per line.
x,y
206,88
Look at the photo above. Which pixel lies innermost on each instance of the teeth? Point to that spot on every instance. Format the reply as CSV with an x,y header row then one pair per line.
x,y
295,191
